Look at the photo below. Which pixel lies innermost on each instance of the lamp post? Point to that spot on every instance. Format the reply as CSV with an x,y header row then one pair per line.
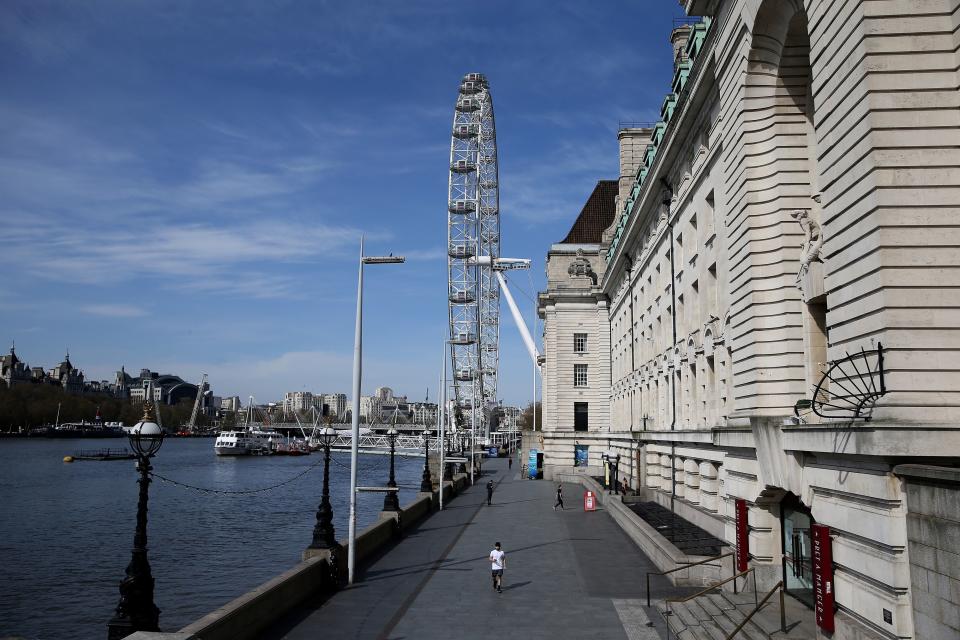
x,y
613,459
391,502
323,533
355,418
136,610
426,484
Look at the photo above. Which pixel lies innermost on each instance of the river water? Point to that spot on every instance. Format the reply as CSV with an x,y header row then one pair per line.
x,y
66,530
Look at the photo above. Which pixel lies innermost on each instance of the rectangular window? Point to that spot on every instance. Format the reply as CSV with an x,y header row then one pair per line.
x,y
579,375
579,343
580,416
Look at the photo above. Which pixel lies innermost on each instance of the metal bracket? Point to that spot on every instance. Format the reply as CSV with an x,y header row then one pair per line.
x,y
851,386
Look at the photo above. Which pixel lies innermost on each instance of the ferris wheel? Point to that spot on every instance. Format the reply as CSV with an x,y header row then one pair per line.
x,y
473,241
474,264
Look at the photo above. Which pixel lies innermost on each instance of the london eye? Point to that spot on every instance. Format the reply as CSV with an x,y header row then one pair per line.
x,y
473,240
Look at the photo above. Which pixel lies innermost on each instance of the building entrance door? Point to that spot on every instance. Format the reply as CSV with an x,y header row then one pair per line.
x,y
795,521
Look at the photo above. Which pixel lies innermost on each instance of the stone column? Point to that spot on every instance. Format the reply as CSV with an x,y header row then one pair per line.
x,y
653,470
691,478
665,472
709,486
680,488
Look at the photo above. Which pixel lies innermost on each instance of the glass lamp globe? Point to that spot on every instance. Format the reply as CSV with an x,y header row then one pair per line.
x,y
327,436
393,433
146,437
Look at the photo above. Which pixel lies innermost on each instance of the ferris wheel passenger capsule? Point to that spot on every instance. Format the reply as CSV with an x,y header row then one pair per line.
x,y
463,166
463,206
465,131
467,105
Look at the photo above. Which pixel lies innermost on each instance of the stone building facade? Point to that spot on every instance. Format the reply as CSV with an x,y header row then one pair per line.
x,y
780,288
576,337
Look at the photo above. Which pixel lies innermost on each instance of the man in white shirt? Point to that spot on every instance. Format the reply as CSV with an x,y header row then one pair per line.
x,y
497,560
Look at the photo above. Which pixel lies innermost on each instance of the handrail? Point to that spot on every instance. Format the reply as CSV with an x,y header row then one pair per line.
x,y
783,618
669,612
710,588
687,565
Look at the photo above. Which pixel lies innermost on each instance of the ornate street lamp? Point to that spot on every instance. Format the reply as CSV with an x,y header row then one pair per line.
x,y
615,467
323,534
136,610
426,485
391,501
447,466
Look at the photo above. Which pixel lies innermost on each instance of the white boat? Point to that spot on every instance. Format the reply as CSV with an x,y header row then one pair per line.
x,y
246,442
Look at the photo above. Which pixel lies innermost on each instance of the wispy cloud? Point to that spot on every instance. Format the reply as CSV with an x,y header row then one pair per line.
x,y
200,257
114,310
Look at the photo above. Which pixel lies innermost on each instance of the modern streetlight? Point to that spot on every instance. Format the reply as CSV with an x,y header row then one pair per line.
x,y
355,419
391,502
136,610
426,484
323,533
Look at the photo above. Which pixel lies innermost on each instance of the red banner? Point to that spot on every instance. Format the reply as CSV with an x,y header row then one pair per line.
x,y
743,535
822,575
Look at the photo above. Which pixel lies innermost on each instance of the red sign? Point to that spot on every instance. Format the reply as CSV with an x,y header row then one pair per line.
x,y
743,534
822,575
589,501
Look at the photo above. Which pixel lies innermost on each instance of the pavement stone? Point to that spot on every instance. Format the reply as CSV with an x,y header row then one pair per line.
x,y
569,574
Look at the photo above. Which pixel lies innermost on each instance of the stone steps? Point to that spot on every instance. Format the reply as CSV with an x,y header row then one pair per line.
x,y
714,616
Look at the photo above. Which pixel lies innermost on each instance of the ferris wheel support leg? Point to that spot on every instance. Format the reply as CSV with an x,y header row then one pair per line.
x,y
518,320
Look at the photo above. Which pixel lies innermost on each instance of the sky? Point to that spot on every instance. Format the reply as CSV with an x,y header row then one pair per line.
x,y
184,184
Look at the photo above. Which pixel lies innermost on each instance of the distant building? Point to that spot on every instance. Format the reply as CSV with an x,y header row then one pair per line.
x,y
509,418
14,371
424,413
67,376
383,393
167,388
332,404
231,404
297,401
369,408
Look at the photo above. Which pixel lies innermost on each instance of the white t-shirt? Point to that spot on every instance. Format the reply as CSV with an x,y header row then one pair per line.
x,y
496,559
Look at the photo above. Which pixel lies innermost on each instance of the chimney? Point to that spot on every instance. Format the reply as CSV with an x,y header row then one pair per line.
x,y
633,146
678,38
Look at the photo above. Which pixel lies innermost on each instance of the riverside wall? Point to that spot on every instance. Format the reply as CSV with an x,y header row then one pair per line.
x,y
312,580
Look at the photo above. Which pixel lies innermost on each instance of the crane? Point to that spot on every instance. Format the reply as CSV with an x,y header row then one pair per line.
x,y
191,426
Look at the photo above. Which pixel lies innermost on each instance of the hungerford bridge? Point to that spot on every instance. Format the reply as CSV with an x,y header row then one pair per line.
x,y
373,438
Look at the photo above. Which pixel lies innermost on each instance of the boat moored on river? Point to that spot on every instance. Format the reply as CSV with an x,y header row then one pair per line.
x,y
247,442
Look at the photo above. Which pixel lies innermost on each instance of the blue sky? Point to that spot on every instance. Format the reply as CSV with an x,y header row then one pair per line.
x,y
185,183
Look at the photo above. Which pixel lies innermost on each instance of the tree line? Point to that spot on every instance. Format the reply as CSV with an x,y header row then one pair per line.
x,y
26,406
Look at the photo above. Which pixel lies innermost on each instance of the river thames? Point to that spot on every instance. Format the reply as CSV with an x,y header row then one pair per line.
x,y
66,530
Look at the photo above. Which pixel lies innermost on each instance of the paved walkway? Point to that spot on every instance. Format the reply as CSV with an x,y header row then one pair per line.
x,y
569,574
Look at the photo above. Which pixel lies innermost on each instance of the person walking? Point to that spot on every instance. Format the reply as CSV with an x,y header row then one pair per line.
x,y
489,492
510,463
559,502
498,560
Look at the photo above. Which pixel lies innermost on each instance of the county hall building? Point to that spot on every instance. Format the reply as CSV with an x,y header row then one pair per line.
x,y
763,313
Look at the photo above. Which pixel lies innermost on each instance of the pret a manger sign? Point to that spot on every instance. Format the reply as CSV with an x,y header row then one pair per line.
x,y
822,576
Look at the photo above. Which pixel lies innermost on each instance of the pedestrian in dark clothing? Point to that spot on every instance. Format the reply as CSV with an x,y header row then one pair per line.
x,y
489,492
559,498
510,463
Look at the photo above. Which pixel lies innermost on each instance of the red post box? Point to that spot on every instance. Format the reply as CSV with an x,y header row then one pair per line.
x,y
589,501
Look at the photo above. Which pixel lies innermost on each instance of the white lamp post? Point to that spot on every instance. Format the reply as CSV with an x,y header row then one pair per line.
x,y
355,419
